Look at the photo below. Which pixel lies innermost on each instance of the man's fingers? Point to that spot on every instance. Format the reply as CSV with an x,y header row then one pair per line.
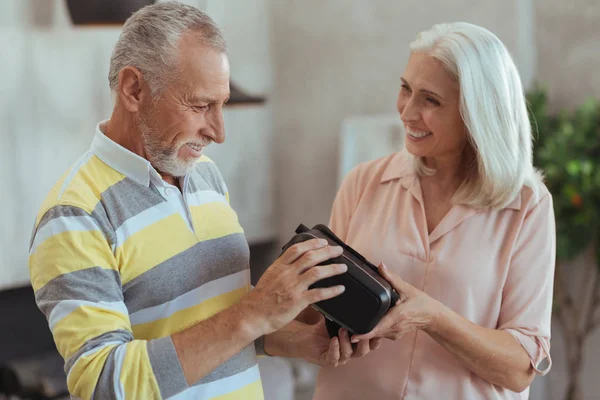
x,y
319,272
345,346
316,295
333,354
316,257
296,251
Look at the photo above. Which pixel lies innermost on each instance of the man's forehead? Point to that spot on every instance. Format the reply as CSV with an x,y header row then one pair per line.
x,y
206,65
204,79
203,70
193,48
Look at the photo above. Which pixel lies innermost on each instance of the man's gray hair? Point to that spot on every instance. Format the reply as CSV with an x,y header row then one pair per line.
x,y
149,42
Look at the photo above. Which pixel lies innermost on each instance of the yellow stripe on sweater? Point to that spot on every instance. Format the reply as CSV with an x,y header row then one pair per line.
x,y
185,318
84,189
84,323
214,220
139,382
67,252
87,369
162,240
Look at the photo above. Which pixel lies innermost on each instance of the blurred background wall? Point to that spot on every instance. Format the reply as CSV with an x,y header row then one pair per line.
x,y
567,38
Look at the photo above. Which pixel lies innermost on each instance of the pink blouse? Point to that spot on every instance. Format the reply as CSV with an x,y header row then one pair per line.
x,y
494,267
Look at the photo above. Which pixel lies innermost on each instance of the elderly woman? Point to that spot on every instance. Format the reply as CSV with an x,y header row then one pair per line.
x,y
463,227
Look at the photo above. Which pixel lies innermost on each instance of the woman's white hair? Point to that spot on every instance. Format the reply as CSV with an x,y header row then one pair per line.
x,y
493,108
149,42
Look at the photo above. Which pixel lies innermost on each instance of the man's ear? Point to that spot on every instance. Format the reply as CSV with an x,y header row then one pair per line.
x,y
132,88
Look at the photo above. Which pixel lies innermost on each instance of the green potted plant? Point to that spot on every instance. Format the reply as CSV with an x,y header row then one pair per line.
x,y
567,150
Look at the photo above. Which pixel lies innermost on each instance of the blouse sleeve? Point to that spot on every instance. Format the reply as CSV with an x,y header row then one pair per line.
x,y
527,295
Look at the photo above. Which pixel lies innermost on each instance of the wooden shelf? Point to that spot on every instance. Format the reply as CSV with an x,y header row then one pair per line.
x,y
238,97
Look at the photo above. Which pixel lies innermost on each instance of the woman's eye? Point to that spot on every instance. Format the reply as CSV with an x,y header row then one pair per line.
x,y
433,101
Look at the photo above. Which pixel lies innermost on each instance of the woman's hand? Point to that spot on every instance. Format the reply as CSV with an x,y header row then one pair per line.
x,y
414,311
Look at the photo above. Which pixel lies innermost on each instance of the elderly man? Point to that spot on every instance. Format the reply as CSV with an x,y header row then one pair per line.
x,y
137,259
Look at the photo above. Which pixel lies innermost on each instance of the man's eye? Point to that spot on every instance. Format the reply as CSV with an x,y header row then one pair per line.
x,y
201,108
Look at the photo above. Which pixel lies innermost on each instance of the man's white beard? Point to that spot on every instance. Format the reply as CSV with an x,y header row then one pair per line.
x,y
163,158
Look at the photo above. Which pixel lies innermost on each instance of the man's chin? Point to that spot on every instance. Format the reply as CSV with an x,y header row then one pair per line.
x,y
180,173
177,170
188,167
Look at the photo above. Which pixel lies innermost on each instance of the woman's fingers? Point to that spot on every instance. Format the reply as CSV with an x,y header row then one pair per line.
x,y
374,344
398,283
362,348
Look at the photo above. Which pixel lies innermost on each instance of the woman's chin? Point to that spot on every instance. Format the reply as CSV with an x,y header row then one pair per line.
x,y
416,150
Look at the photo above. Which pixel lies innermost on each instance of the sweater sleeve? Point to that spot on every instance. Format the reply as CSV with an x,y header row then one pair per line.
x,y
77,286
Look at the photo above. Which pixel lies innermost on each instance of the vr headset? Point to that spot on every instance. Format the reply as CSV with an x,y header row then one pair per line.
x,y
368,296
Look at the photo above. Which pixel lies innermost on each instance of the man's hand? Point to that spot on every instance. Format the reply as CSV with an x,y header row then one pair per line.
x,y
283,290
312,343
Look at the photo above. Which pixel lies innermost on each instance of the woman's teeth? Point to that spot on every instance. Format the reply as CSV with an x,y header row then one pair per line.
x,y
416,134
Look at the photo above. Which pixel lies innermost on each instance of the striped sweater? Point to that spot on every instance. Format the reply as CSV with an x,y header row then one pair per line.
x,y
120,260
